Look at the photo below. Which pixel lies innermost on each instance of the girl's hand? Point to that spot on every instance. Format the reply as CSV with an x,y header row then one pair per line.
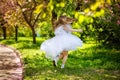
x,y
80,30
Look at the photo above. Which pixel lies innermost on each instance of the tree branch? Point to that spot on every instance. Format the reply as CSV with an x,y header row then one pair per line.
x,y
31,13
24,16
36,19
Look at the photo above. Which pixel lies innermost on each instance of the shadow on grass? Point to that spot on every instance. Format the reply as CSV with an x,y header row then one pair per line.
x,y
70,72
8,42
23,43
97,57
79,66
89,63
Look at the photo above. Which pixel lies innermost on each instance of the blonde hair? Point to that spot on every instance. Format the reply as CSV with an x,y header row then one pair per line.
x,y
58,22
62,20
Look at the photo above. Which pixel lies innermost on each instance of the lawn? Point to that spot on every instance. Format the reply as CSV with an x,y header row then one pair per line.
x,y
91,62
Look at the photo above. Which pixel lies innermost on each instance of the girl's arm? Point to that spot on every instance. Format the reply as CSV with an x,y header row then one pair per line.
x,y
72,30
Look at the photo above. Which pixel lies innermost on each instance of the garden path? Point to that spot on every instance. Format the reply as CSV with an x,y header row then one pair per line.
x,y
11,67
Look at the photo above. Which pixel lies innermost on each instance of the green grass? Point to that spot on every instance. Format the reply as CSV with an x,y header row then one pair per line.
x,y
91,62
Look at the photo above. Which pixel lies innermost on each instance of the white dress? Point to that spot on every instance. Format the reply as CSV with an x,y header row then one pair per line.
x,y
63,40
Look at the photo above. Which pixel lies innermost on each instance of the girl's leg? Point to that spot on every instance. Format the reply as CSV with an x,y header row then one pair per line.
x,y
62,56
65,56
57,58
55,61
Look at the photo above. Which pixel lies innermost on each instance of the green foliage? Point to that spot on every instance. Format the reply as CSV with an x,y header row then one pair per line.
x,y
24,32
45,30
64,7
100,20
90,62
107,29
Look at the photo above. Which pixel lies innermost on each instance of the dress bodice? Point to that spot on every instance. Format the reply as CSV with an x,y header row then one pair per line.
x,y
60,30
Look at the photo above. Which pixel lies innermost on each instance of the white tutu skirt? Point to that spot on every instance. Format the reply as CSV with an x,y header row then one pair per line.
x,y
54,46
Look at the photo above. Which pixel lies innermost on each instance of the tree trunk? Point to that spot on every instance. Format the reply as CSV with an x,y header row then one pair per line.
x,y
4,32
54,18
33,35
16,33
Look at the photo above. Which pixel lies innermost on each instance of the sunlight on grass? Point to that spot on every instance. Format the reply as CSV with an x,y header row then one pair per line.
x,y
90,62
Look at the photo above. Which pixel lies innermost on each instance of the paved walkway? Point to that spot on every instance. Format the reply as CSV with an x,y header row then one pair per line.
x,y
10,64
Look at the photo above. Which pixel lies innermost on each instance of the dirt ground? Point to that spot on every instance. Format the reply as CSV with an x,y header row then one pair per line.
x,y
11,67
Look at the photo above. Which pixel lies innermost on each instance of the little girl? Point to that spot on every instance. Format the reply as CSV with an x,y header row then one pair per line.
x,y
63,41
